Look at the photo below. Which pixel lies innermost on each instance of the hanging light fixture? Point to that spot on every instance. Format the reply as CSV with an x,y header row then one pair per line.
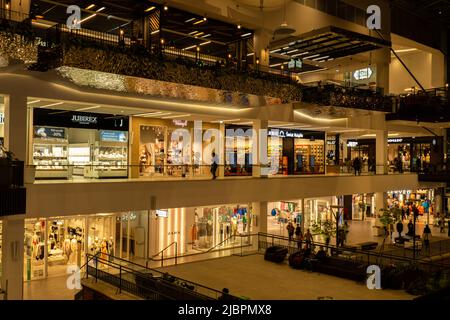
x,y
284,28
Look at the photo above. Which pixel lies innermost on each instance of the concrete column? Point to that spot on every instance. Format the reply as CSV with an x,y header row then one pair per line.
x,y
381,151
16,125
260,211
19,9
259,149
261,43
382,59
13,255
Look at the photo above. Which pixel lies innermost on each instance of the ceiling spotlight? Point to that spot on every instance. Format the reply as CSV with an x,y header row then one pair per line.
x,y
239,26
204,19
162,41
165,8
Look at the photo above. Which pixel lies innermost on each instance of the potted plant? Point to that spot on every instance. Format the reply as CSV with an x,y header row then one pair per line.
x,y
326,228
388,218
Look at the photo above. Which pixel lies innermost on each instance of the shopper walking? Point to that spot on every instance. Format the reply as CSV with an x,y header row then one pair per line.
x,y
410,229
357,166
298,236
290,228
426,238
214,164
308,239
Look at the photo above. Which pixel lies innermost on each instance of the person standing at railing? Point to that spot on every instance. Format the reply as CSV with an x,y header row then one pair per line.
x,y
214,165
308,239
299,236
290,228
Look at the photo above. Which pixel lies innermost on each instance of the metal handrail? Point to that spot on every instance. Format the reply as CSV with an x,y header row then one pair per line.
x,y
220,243
162,254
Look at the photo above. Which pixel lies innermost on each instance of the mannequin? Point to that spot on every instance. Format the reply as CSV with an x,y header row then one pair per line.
x,y
67,247
73,249
111,248
104,249
234,225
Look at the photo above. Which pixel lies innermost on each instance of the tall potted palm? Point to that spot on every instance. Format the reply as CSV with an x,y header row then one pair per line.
x,y
326,228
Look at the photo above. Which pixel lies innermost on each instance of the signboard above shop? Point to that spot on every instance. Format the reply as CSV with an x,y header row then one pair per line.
x,y
49,133
113,136
362,74
83,120
299,134
295,64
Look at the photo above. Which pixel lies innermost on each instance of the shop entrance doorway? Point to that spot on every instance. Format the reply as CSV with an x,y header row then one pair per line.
x,y
288,154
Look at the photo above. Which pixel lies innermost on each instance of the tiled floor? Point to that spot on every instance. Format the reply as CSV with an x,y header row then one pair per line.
x,y
255,278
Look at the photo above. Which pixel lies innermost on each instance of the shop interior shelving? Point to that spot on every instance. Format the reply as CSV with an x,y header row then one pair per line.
x,y
109,160
79,157
50,158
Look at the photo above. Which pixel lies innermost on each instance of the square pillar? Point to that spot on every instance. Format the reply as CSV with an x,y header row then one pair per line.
x,y
221,153
260,212
259,148
261,44
13,255
381,152
16,125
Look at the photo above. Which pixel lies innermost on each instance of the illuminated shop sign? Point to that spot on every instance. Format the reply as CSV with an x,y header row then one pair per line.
x,y
49,133
2,118
362,74
113,136
352,144
331,141
295,64
83,120
161,213
285,133
395,140
180,123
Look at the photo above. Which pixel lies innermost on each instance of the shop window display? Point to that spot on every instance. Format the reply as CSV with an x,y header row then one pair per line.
x,y
238,150
281,213
65,244
152,150
34,241
101,235
215,225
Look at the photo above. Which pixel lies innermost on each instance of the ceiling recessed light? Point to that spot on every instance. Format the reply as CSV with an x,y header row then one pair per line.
x,y
166,8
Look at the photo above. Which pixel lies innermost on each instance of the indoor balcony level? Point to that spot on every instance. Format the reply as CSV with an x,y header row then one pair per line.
x,y
84,197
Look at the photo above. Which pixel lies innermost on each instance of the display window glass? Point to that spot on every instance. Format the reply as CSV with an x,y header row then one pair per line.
x,y
131,230
363,206
81,147
65,241
281,213
309,156
319,210
238,151
152,150
101,235
34,252
399,152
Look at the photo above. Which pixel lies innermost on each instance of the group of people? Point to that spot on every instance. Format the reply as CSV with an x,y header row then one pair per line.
x,y
299,236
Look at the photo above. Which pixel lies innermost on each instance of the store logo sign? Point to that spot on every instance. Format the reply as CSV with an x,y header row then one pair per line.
x,y
285,134
395,140
352,144
362,74
2,118
84,119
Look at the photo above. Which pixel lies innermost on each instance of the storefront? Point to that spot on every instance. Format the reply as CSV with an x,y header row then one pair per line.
x,y
415,153
363,206
320,209
238,150
280,213
423,199
361,148
197,229
299,152
158,153
69,144
51,245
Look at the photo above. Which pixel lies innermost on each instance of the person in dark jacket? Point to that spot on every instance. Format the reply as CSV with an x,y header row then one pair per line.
x,y
410,229
298,236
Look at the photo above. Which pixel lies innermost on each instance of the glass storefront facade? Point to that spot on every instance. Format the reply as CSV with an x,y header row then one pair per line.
x,y
68,144
53,244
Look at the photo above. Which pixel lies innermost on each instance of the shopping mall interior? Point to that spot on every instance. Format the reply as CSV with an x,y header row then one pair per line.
x,y
152,150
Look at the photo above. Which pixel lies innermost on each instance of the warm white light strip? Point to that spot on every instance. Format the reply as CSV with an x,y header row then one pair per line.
x,y
193,32
313,56
191,47
321,58
275,65
177,116
35,101
317,119
206,35
227,120
276,50
246,34
87,18
101,9
158,115
405,50
250,54
52,104
300,54
148,113
88,108
189,20
154,32
205,43
295,50
89,7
